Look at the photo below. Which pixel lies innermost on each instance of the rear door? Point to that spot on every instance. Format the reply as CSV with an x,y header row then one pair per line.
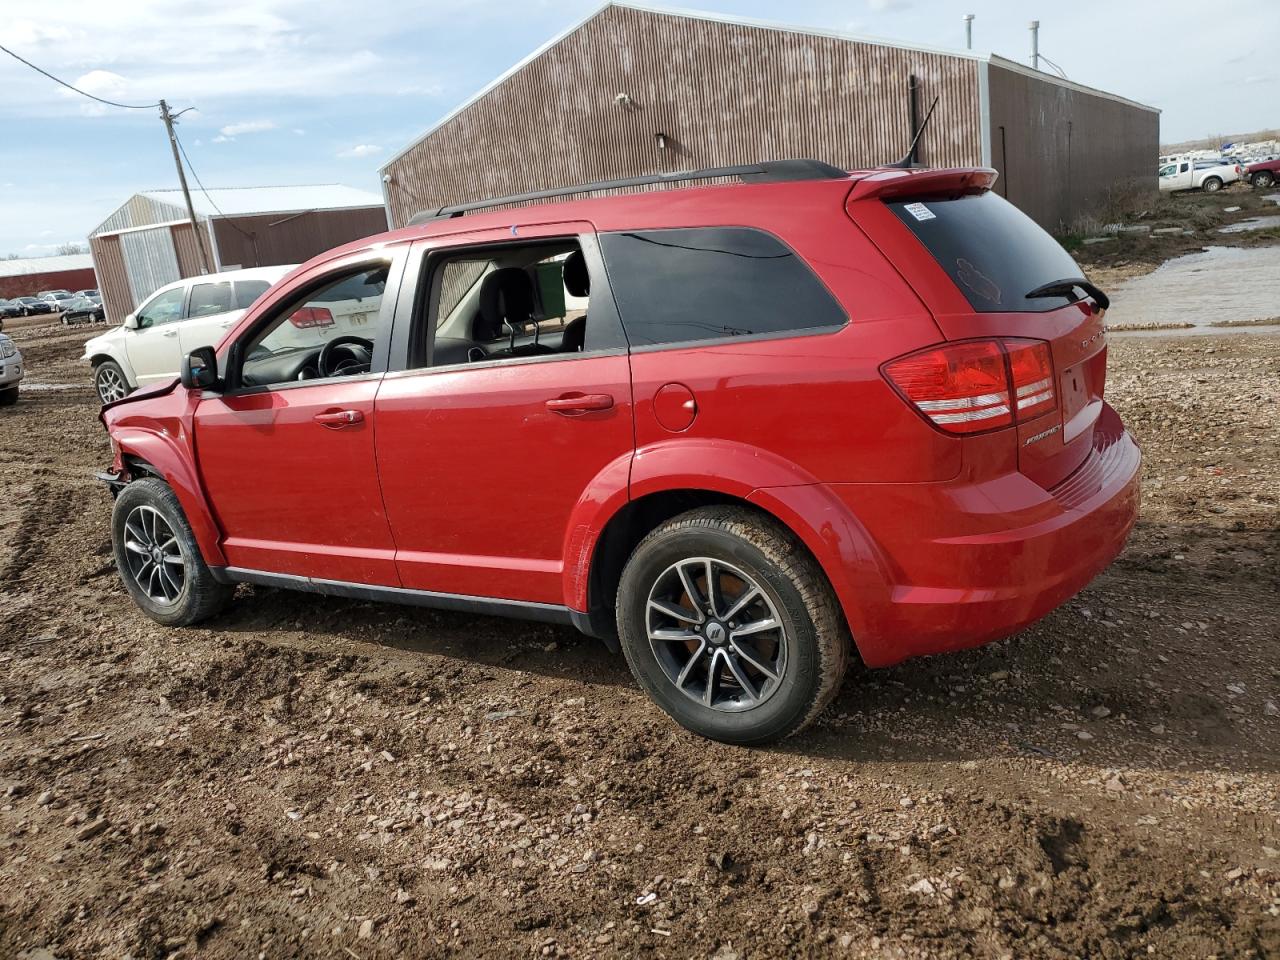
x,y
484,453
210,314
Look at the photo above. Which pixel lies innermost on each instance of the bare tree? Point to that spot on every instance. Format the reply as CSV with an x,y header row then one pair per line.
x,y
66,249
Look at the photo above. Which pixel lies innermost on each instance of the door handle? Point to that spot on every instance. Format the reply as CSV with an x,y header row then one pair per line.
x,y
571,406
171,333
337,419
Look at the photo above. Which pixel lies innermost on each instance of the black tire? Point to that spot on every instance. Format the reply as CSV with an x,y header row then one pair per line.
x,y
1211,185
8,397
102,380
810,651
1264,179
198,596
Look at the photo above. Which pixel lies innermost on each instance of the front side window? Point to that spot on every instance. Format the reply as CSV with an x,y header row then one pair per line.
x,y
163,308
511,302
330,331
676,286
209,299
1168,171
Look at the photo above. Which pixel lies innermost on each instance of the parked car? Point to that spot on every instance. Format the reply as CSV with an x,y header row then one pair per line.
x,y
148,346
57,300
60,294
739,432
11,370
1263,174
31,306
91,294
82,310
8,311
1187,175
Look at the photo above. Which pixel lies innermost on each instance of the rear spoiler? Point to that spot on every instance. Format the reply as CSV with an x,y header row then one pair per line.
x,y
891,184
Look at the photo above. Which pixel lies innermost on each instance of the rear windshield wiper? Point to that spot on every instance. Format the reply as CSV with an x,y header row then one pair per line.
x,y
1067,288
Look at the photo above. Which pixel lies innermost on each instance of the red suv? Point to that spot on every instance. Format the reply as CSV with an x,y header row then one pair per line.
x,y
739,431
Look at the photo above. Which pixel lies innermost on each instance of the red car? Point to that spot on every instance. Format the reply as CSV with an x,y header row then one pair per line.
x,y
740,431
1263,174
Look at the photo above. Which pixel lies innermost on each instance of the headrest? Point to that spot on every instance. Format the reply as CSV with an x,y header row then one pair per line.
x,y
576,279
505,295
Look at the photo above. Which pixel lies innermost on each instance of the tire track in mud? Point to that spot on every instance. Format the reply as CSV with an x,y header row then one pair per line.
x,y
43,514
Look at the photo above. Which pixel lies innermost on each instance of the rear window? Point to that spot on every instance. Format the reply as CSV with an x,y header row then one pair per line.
x,y
675,286
993,251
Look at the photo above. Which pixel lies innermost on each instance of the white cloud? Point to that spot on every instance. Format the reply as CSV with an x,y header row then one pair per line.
x,y
881,6
247,126
361,150
100,83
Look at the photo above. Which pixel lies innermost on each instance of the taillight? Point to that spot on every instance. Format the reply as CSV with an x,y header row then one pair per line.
x,y
1031,372
306,317
977,385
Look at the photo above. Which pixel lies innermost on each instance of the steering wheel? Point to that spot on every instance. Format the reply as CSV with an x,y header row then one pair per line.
x,y
344,365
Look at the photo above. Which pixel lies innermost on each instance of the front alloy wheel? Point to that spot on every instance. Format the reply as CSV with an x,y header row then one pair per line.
x,y
153,557
110,383
716,634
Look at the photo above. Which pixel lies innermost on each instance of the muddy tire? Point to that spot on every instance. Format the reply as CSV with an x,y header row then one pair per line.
x,y
1211,185
1264,179
8,397
158,559
731,627
109,381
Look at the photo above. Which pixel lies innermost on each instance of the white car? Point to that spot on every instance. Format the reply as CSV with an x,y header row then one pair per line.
x,y
1190,175
10,370
149,346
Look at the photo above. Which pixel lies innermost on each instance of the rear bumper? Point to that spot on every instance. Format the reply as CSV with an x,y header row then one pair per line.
x,y
966,563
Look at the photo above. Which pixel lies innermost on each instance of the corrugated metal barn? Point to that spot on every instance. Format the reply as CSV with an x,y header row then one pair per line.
x,y
27,277
635,91
149,241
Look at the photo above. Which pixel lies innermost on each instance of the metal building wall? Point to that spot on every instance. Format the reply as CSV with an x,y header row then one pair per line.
x,y
138,211
113,279
188,253
150,260
721,93
272,239
29,284
1062,150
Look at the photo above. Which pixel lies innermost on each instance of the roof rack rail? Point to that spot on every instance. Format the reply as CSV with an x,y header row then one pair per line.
x,y
772,171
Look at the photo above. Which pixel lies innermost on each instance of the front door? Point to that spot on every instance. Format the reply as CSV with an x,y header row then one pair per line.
x,y
286,453
154,347
517,401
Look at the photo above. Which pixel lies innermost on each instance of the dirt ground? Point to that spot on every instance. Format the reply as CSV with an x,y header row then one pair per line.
x,y
327,778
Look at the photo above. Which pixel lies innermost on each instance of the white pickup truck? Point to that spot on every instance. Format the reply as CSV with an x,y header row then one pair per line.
x,y
1188,175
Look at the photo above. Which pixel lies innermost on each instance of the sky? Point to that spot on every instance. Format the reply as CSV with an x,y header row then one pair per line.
x,y
324,91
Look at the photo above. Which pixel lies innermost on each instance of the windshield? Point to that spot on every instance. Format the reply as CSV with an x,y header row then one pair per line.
x,y
994,252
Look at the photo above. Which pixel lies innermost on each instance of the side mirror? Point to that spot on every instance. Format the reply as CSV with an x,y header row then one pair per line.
x,y
131,321
200,369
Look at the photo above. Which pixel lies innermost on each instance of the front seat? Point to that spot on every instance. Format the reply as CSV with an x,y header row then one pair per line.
x,y
577,283
506,297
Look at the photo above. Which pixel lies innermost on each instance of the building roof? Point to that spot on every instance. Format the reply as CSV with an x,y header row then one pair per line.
x,y
33,265
245,201
759,24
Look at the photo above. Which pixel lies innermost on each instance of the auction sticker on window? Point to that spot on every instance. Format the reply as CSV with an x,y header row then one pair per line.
x,y
920,211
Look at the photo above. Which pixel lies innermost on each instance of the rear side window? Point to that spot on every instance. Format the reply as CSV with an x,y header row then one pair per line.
x,y
248,291
993,251
208,299
675,286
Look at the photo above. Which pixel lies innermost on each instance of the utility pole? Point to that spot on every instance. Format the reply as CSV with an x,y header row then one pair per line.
x,y
167,117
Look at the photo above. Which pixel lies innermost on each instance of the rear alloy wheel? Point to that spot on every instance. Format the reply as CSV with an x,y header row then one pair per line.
x,y
109,381
1264,179
1212,185
158,558
730,626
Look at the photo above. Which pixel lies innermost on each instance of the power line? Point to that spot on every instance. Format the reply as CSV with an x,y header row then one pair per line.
x,y
195,176
83,93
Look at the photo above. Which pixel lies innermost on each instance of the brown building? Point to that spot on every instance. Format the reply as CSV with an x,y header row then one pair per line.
x,y
633,91
149,242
